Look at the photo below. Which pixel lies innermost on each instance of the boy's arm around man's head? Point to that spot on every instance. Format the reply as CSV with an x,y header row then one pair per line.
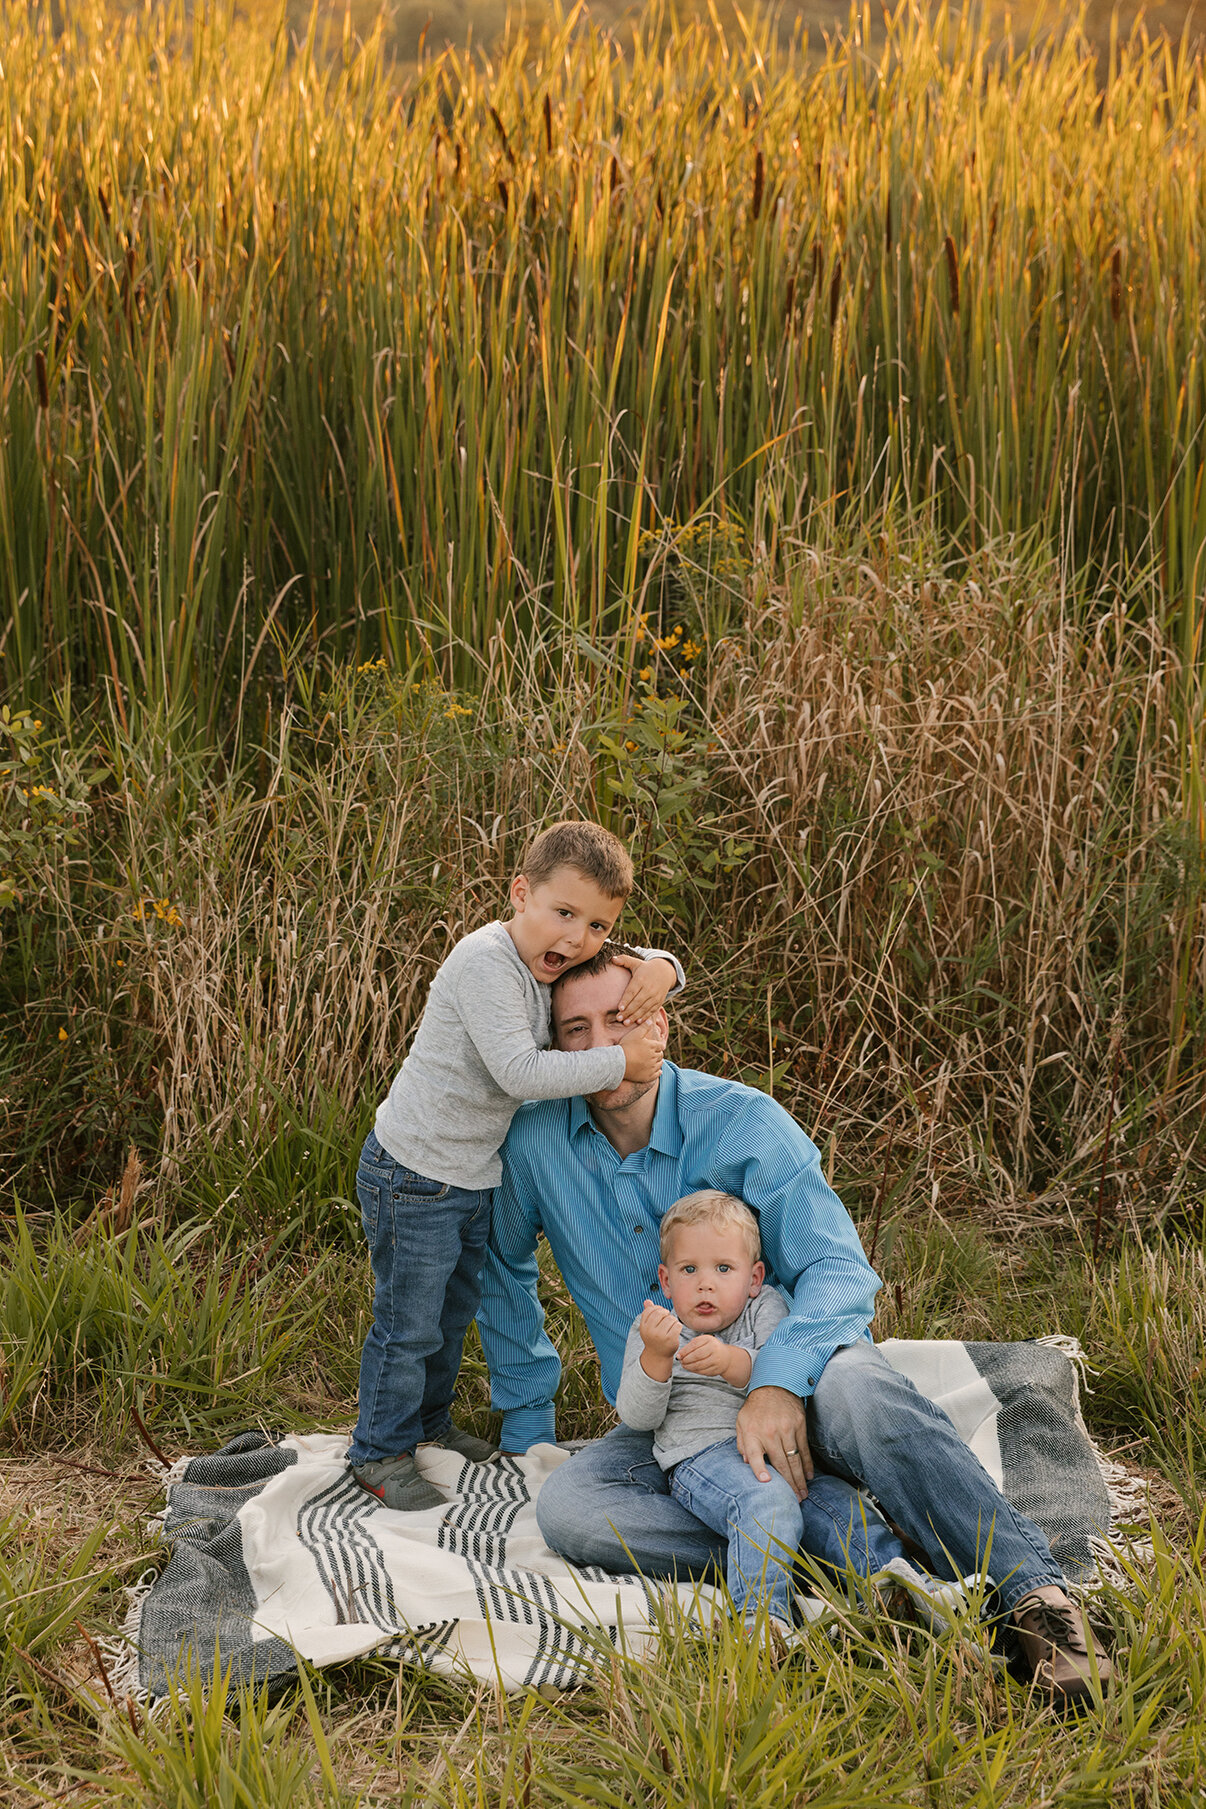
x,y
492,1001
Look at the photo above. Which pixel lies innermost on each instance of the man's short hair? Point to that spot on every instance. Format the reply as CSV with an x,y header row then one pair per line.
x,y
711,1207
598,964
588,848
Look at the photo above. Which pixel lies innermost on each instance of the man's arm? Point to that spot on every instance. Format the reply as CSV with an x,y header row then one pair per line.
x,y
808,1241
813,1250
525,1370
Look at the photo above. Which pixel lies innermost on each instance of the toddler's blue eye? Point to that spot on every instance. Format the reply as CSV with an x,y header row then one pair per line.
x,y
724,1267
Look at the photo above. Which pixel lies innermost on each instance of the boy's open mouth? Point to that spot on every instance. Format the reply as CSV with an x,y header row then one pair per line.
x,y
552,961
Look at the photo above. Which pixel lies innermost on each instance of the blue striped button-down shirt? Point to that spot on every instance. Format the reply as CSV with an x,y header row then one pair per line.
x,y
600,1213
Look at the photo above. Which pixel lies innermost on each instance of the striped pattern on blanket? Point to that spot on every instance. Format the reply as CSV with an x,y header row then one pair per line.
x,y
276,1552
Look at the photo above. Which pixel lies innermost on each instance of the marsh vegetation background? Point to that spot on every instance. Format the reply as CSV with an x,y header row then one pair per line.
x,y
793,460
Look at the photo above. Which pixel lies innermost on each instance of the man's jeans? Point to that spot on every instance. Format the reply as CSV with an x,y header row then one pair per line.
x,y
427,1241
610,1504
872,1425
765,1525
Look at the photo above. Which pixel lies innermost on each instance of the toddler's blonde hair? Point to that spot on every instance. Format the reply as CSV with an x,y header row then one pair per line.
x,y
711,1207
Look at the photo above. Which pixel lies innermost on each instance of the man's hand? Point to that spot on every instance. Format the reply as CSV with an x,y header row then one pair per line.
x,y
708,1356
772,1428
646,992
660,1333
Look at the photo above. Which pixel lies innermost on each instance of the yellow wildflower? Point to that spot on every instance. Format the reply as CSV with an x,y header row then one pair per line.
x,y
62,1034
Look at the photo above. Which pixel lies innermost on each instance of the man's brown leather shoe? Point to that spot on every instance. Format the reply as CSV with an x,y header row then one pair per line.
x,y
1058,1646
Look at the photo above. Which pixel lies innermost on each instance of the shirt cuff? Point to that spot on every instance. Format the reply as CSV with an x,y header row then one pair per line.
x,y
527,1426
797,1370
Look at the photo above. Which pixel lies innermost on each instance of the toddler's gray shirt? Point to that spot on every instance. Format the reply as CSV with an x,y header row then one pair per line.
x,y
479,1052
688,1413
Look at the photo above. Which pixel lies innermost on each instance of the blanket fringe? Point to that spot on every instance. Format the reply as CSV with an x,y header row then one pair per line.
x,y
1126,1491
120,1653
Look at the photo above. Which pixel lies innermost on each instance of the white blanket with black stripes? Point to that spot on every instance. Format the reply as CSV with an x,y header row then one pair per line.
x,y
276,1552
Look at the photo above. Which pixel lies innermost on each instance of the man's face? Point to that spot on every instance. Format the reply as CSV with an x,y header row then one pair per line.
x,y
586,1016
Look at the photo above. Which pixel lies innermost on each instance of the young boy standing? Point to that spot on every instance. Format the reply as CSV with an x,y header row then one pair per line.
x,y
685,1378
428,1168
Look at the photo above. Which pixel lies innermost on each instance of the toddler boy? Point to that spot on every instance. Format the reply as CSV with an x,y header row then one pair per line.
x,y
685,1378
428,1168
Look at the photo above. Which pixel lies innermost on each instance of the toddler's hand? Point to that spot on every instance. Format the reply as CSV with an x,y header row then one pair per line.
x,y
660,1330
707,1356
647,989
643,1051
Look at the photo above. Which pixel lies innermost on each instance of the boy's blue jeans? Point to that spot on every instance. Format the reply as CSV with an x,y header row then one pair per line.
x,y
765,1525
427,1240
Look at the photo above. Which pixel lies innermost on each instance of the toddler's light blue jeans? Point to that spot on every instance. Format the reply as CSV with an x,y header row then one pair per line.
x,y
765,1525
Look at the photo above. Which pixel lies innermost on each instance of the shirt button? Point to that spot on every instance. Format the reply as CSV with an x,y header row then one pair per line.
x,y
638,1227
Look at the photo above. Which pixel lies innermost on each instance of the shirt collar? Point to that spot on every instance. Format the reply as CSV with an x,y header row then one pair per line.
x,y
666,1136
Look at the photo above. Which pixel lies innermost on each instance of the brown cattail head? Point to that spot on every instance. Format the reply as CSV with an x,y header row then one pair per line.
x,y
502,133
817,260
613,180
43,385
952,271
548,124
888,225
835,290
1116,284
130,1177
759,179
504,194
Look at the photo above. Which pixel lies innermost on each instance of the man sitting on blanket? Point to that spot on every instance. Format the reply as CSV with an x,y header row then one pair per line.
x,y
595,1176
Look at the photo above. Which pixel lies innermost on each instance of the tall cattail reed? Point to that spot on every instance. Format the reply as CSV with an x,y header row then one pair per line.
x,y
363,411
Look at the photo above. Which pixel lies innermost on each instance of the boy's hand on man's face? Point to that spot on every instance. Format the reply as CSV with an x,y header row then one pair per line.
x,y
646,991
660,1330
644,1051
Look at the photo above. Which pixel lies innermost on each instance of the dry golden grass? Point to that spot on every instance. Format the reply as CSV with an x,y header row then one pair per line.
x,y
925,839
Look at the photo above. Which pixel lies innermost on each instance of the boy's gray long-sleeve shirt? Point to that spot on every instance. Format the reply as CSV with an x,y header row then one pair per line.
x,y
479,1052
688,1413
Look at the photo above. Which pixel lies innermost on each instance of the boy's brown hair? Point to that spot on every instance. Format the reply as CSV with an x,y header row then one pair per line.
x,y
588,848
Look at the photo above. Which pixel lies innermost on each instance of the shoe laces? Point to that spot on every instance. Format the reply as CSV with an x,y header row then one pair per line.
x,y
1055,1623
